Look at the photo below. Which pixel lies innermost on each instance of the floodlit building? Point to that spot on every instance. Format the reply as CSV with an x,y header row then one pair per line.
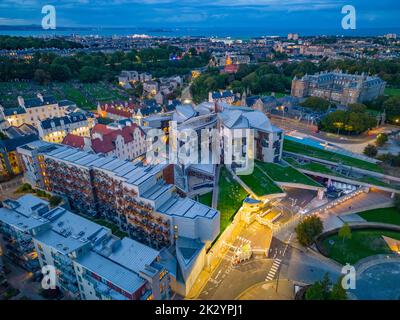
x,y
56,129
10,164
30,111
339,87
125,142
91,263
135,197
268,144
18,226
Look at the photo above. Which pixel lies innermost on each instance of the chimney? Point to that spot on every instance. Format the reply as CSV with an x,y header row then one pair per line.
x,y
40,96
21,102
87,143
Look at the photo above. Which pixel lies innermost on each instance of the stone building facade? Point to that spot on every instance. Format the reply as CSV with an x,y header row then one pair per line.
x,y
339,87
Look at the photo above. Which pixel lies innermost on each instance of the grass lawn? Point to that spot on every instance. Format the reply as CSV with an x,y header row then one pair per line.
x,y
260,183
85,95
285,174
206,199
230,197
316,167
295,147
386,215
363,243
392,91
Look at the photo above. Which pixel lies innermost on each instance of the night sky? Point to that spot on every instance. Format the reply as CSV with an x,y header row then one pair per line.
x,y
286,14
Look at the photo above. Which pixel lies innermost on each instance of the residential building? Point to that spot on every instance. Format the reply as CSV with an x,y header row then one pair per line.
x,y
339,87
56,129
30,111
268,144
150,87
124,142
117,110
223,96
91,263
17,228
126,78
137,198
10,164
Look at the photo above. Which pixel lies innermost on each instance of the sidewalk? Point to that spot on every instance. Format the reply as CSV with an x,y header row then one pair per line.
x,y
269,291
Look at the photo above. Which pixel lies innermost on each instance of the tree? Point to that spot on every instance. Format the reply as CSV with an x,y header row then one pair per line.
x,y
316,103
60,72
41,77
338,292
382,139
308,230
54,201
323,290
357,107
89,74
345,232
319,290
370,151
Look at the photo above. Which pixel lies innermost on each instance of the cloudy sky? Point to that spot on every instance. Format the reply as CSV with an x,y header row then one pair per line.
x,y
203,13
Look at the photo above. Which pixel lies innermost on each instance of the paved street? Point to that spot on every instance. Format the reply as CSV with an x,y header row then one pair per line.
x,y
22,280
228,281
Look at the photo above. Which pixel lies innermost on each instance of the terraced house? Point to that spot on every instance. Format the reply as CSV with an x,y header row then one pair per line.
x,y
56,129
30,111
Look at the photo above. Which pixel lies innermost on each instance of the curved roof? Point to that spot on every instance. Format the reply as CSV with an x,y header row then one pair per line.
x,y
183,113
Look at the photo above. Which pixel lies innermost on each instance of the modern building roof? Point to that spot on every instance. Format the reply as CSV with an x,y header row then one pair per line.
x,y
134,255
115,273
243,118
187,208
12,144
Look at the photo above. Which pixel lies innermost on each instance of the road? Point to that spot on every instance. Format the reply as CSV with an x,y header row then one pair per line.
x,y
257,277
355,144
228,281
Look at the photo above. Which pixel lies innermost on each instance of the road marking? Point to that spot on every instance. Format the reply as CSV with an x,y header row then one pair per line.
x,y
274,269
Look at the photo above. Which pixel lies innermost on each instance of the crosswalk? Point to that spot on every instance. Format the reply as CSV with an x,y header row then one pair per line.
x,y
274,269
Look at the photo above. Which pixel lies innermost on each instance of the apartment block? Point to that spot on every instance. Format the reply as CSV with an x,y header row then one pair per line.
x,y
90,262
133,196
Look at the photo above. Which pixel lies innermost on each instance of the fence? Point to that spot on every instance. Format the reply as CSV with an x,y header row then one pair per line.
x,y
299,217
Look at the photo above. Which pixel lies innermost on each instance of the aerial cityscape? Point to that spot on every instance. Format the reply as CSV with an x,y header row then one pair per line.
x,y
175,155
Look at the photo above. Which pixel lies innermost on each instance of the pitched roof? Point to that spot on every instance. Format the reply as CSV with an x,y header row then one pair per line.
x,y
71,118
107,143
74,141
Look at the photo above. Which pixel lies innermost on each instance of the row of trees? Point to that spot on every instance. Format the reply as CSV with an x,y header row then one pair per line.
x,y
15,43
253,79
388,104
44,67
353,121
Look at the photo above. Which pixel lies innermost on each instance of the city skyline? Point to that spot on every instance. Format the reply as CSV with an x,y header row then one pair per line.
x,y
263,14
